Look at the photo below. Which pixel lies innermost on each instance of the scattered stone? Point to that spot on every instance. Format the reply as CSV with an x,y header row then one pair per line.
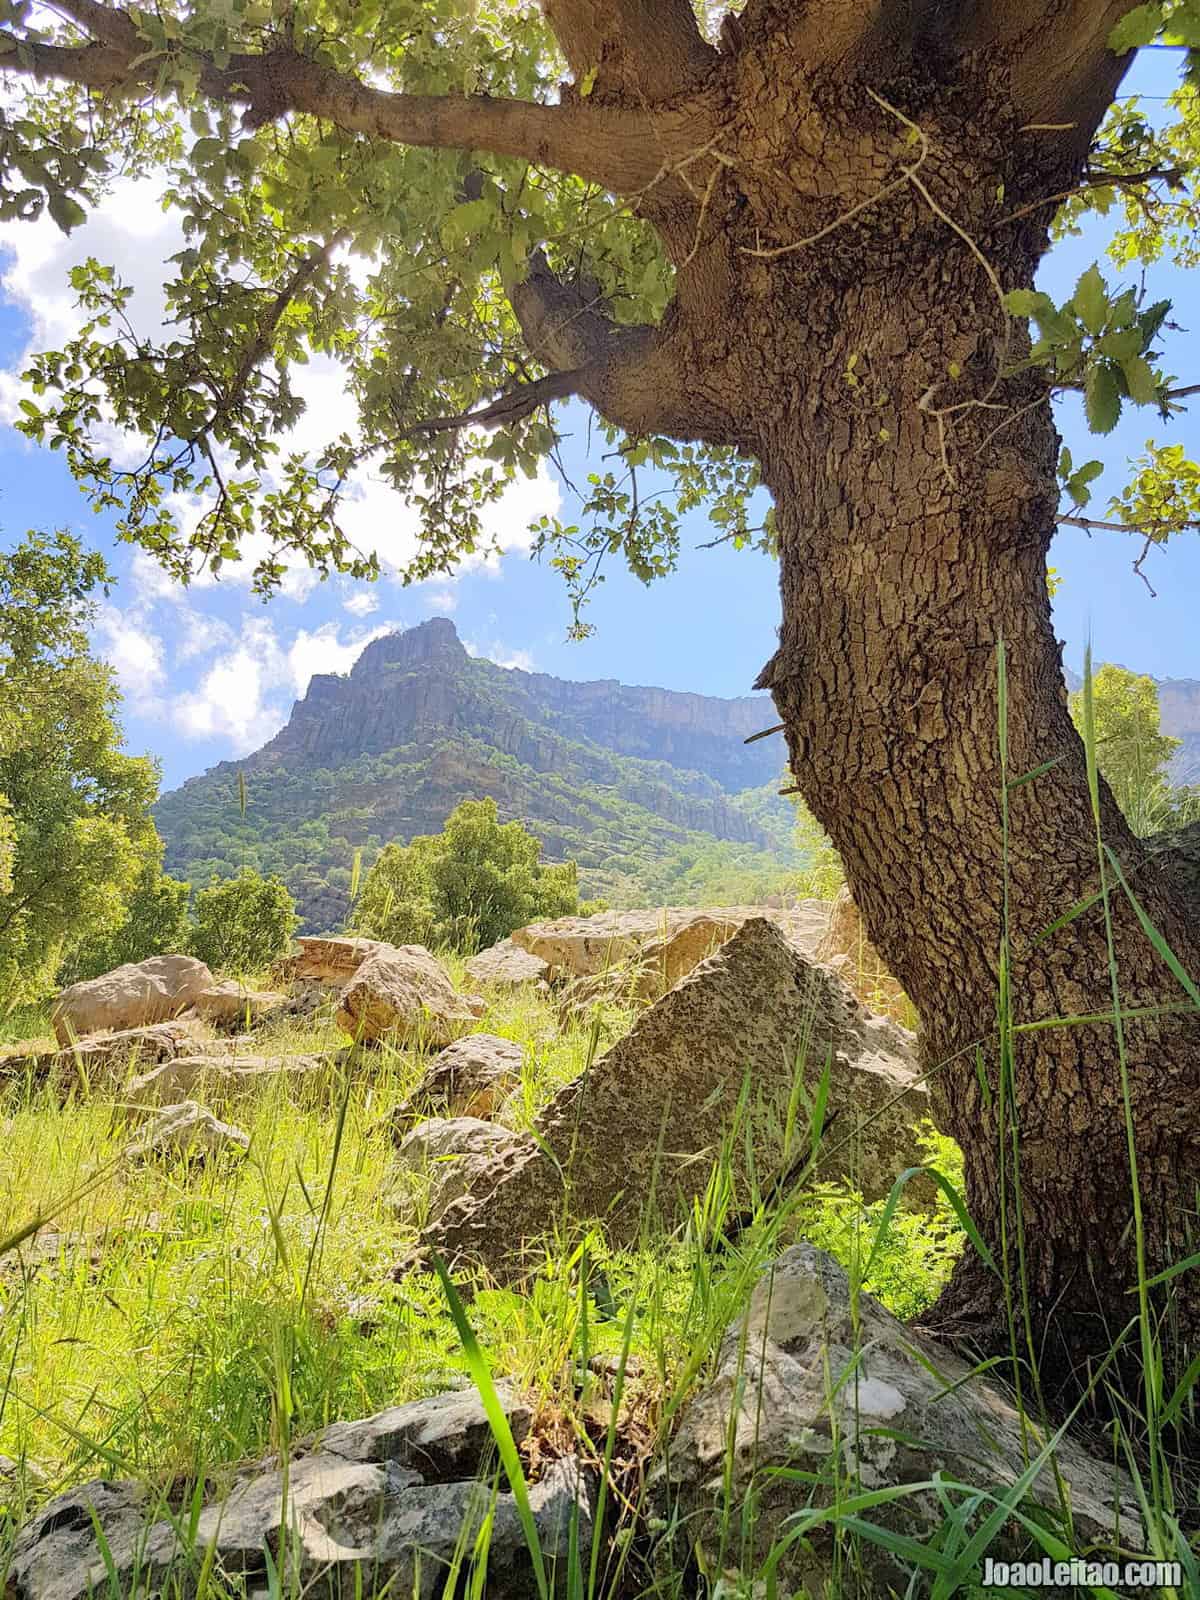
x,y
584,946
646,1123
446,1436
105,1058
469,1078
506,966
649,971
403,994
375,1508
228,1076
455,1154
186,1129
231,1004
331,959
131,996
804,1385
846,948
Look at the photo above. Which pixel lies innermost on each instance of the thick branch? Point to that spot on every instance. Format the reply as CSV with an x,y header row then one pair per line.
x,y
1062,73
639,51
512,406
620,149
636,377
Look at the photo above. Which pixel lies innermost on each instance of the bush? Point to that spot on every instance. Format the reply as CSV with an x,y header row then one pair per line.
x,y
243,923
466,887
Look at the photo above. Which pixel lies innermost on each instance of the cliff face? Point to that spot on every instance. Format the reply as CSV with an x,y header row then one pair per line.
x,y
423,683
603,772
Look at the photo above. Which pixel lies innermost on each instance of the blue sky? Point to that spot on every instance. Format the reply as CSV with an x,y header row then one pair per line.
x,y
210,672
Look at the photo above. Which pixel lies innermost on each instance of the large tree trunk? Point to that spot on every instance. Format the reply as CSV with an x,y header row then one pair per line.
x,y
904,563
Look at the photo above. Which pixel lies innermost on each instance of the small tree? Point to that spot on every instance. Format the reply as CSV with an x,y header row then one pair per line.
x,y
243,923
156,923
466,887
1132,751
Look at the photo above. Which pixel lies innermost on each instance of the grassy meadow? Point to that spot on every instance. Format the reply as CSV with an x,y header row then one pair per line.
x,y
173,1319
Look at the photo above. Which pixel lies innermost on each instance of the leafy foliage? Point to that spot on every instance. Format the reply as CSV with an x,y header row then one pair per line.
x,y
464,888
76,824
243,923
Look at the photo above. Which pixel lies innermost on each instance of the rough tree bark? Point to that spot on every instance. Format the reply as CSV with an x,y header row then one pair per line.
x,y
846,189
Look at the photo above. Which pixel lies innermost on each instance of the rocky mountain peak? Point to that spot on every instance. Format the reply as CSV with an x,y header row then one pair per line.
x,y
430,643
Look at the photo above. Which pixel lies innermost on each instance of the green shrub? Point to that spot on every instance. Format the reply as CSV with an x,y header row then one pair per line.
x,y
243,923
466,887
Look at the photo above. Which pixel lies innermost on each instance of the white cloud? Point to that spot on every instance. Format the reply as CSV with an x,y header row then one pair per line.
x,y
198,634
441,600
135,653
323,651
242,697
233,701
361,604
501,654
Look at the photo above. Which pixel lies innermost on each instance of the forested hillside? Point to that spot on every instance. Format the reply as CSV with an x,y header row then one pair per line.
x,y
655,794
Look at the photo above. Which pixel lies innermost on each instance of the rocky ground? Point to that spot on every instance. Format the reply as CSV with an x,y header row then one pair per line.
x,y
621,1137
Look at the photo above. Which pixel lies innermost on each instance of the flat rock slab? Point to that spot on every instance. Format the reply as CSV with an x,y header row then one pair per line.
x,y
130,996
105,1058
228,1076
838,1399
646,1123
373,1508
506,966
331,959
584,946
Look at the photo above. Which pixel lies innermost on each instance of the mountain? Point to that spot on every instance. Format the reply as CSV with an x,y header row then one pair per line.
x,y
1179,702
654,793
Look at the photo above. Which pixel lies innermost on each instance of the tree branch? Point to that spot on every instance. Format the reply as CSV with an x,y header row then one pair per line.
x,y
1062,73
644,51
512,406
635,376
1151,530
623,150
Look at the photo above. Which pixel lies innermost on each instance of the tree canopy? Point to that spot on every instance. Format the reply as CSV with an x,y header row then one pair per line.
x,y
475,210
243,923
1132,751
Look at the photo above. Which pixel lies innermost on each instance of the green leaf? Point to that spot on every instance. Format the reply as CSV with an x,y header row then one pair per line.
x,y
1139,27
1121,344
1091,299
1102,397
1024,302
66,212
1139,375
1077,482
